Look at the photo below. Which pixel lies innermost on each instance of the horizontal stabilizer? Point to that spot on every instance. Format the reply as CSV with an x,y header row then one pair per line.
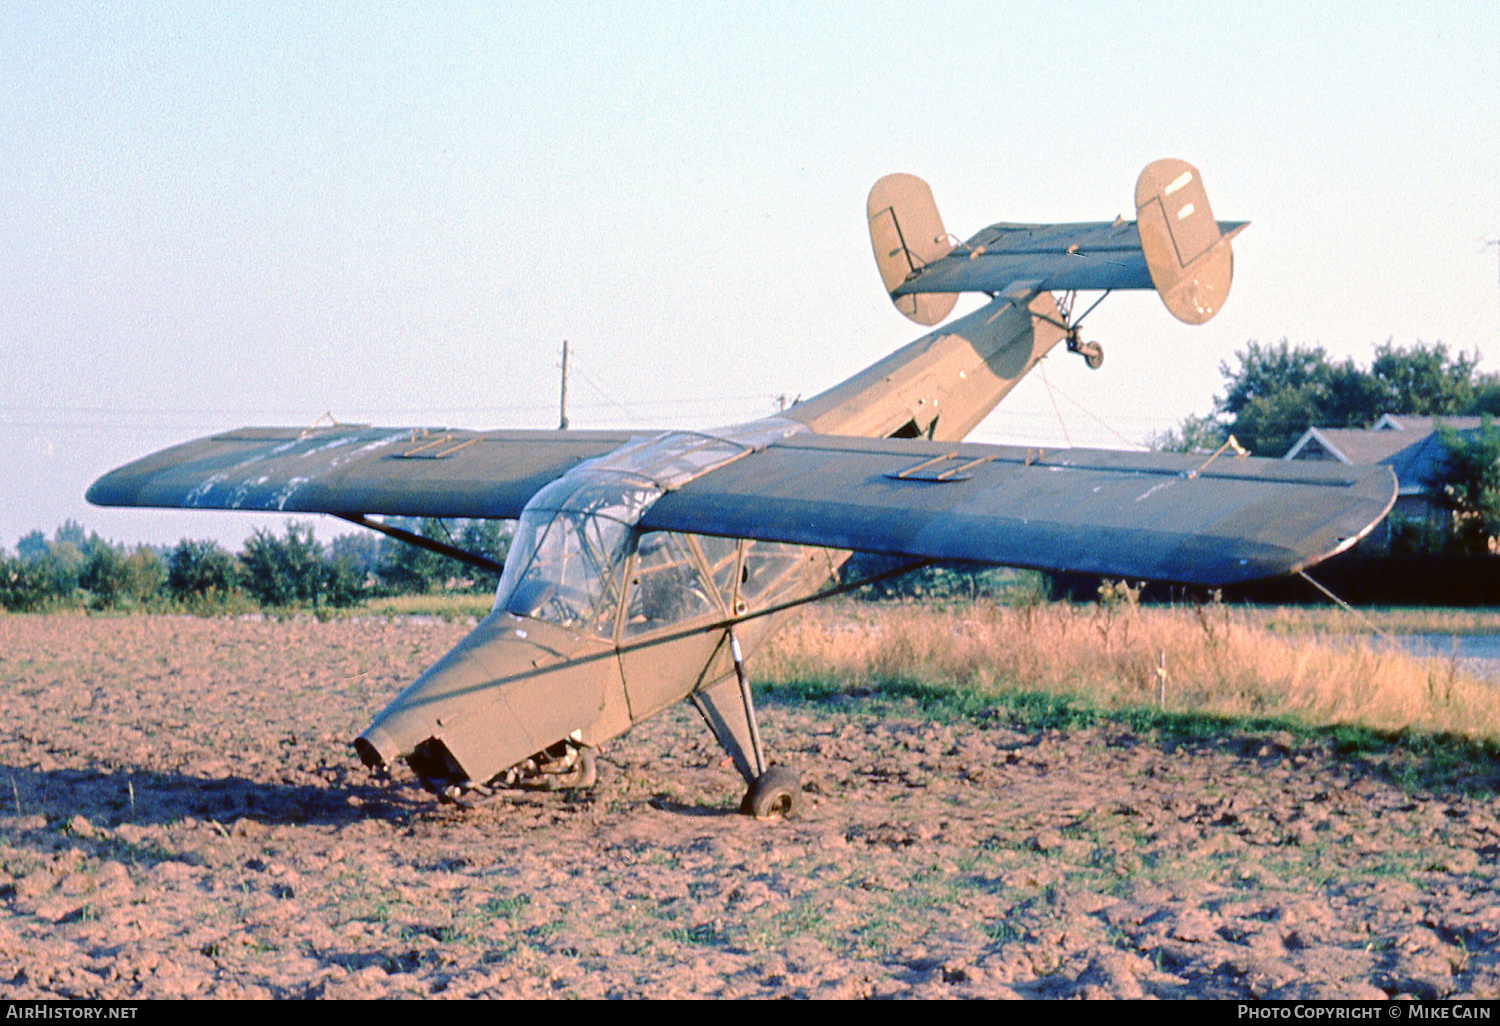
x,y
1176,248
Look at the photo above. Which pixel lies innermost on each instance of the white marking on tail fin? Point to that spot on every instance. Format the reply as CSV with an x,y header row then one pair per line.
x,y
1177,183
1186,211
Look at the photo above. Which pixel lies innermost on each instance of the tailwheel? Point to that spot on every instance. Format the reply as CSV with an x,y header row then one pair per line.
x,y
1092,352
775,794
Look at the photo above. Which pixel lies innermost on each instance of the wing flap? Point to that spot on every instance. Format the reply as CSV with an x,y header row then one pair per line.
x,y
355,470
1154,516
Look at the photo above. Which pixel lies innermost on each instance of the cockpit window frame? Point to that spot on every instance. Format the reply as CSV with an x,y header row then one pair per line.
x,y
699,563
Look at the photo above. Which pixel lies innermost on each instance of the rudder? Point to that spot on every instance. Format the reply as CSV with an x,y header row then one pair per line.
x,y
907,233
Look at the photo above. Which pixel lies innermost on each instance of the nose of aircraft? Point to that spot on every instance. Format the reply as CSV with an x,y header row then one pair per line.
x,y
509,689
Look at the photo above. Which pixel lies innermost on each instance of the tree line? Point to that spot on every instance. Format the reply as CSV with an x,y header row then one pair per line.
x,y
74,569
1276,392
78,570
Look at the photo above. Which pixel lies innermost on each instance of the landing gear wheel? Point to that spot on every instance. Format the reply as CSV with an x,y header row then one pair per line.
x,y
776,793
1092,352
583,773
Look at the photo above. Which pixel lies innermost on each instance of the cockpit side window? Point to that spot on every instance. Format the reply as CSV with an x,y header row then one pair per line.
x,y
722,557
571,569
666,585
767,568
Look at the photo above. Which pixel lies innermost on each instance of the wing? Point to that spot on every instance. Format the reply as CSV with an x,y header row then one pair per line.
x,y
1045,257
1155,516
352,471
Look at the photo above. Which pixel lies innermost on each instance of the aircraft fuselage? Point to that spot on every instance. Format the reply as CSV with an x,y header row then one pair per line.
x,y
598,625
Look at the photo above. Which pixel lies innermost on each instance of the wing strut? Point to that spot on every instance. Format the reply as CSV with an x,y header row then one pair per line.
x,y
411,538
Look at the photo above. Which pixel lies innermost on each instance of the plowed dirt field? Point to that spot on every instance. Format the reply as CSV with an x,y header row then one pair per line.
x,y
183,816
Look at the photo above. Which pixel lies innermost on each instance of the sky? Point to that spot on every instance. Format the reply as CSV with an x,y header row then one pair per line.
x,y
265,213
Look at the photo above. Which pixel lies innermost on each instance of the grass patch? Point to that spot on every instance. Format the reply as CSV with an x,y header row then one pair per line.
x,y
457,606
504,908
701,935
1063,665
1416,721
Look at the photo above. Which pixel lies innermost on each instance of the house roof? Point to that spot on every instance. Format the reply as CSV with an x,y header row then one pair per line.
x,y
1409,445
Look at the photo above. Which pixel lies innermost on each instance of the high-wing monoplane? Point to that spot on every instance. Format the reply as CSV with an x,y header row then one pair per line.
x,y
646,565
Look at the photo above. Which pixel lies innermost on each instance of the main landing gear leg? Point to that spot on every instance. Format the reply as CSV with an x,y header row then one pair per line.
x,y
729,711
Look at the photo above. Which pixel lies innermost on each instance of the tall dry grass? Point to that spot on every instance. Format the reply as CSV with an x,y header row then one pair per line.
x,y
1215,661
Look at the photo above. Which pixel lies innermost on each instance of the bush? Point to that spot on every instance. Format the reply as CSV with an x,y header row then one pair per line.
x,y
105,575
407,569
294,570
281,572
343,583
120,581
22,585
145,574
486,538
1471,485
198,570
941,581
43,573
1415,536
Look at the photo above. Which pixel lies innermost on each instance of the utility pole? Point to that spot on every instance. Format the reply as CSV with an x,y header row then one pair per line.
x,y
563,420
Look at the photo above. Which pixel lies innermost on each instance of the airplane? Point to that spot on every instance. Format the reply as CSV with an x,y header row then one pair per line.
x,y
648,565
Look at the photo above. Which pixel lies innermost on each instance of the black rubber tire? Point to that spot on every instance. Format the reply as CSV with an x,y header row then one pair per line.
x,y
776,794
1093,354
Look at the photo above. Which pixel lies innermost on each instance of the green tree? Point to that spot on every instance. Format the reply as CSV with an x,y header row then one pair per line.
x,y
1471,485
106,575
360,551
1195,434
198,570
32,546
1270,425
72,531
1423,381
145,574
22,585
60,567
407,568
1278,391
490,538
1267,371
283,571
342,583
